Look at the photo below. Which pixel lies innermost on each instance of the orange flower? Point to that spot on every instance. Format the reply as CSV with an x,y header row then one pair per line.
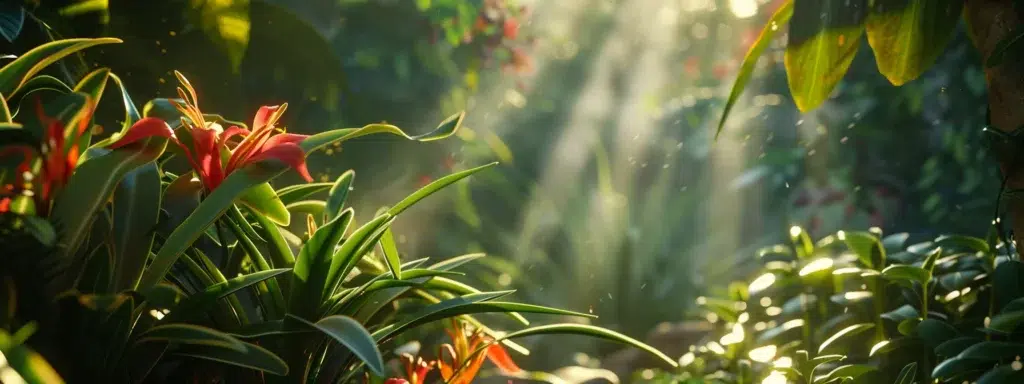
x,y
416,369
459,363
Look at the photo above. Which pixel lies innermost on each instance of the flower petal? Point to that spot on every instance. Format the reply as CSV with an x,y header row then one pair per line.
x,y
232,132
267,115
500,357
142,129
289,153
207,157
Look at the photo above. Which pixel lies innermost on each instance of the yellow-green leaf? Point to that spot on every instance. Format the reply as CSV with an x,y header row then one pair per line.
x,y
823,39
908,35
226,22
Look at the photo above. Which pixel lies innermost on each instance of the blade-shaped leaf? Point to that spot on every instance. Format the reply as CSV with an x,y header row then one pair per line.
x,y
823,39
780,18
353,336
431,313
908,36
16,73
589,331
387,245
313,264
192,335
136,210
253,357
434,187
338,194
447,128
199,302
264,200
907,374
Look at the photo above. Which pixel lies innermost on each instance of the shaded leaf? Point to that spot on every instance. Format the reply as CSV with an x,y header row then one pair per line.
x,y
908,36
823,39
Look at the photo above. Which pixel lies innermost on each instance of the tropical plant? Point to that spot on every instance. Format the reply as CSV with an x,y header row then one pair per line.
x,y
140,260
907,37
860,307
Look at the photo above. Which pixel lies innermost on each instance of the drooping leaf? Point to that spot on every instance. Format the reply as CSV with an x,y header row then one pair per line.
x,y
590,331
192,335
16,73
823,39
909,35
353,336
253,357
447,128
779,18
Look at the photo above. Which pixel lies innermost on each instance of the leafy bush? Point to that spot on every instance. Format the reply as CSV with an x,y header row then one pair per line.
x,y
162,253
860,307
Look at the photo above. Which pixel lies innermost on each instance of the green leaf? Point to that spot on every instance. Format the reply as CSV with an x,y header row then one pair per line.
x,y
823,39
28,365
907,374
902,313
353,249
298,192
136,209
208,211
993,350
908,36
447,128
387,245
1008,282
131,114
953,347
264,200
960,279
16,73
338,194
951,367
254,357
192,335
93,182
845,332
966,242
1002,374
12,18
227,24
353,336
312,266
907,272
590,331
1007,322
852,371
434,312
199,302
779,18
935,332
867,247
908,327
434,187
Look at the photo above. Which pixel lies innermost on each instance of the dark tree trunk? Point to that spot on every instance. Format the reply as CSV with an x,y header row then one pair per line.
x,y
989,22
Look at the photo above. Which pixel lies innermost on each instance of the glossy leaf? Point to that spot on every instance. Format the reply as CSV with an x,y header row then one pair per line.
x,y
312,265
907,272
94,181
12,18
338,194
779,18
935,332
908,36
868,248
298,192
1007,322
953,347
353,336
845,332
26,363
993,351
590,331
136,209
823,39
199,302
264,200
434,186
253,357
390,250
16,73
191,334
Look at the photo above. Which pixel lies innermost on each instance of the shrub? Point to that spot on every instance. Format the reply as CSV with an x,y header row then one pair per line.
x,y
860,307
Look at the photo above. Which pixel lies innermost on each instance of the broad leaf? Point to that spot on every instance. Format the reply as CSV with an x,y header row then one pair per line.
x,y
823,39
192,335
264,200
353,336
909,35
845,332
136,209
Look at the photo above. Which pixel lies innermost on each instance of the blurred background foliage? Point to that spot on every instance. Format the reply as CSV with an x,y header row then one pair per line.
x,y
611,197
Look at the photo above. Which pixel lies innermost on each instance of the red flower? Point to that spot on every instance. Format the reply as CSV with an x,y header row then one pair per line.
x,y
57,156
416,369
395,381
510,29
262,143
